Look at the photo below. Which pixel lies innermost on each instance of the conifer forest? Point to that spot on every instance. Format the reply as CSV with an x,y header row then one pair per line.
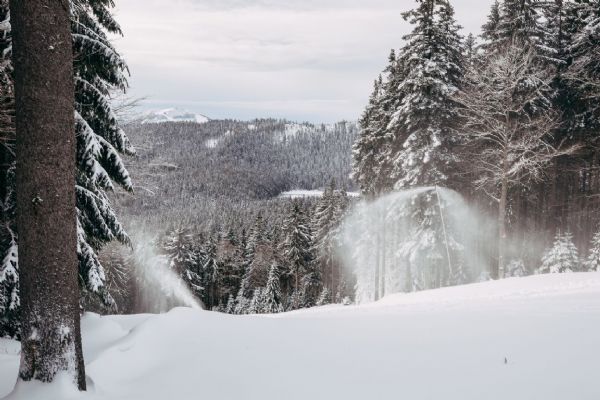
x,y
446,229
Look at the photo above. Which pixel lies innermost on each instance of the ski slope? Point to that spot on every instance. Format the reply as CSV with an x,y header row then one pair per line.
x,y
520,338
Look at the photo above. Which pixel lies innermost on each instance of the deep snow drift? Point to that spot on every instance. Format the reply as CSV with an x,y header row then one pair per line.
x,y
520,338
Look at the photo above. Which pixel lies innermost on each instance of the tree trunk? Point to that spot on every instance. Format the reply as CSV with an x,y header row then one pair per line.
x,y
383,256
502,229
46,215
377,257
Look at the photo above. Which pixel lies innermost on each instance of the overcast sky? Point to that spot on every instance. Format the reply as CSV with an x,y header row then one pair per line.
x,y
312,60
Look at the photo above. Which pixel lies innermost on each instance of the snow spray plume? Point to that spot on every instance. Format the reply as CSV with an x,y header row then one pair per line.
x,y
160,287
415,239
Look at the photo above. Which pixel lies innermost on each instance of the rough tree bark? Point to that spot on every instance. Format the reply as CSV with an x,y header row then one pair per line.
x,y
46,216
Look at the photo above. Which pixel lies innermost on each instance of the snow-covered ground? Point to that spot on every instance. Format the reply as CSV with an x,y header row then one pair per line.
x,y
521,338
300,193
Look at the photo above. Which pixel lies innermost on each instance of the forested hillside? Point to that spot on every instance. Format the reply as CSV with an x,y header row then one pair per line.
x,y
182,170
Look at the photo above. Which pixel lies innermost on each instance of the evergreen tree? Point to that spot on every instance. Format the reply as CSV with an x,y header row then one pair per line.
x,y
490,30
559,27
272,292
184,259
258,302
520,24
367,148
432,61
242,303
258,257
229,255
230,308
324,297
584,73
323,224
593,261
99,72
562,257
470,51
178,248
297,243
212,272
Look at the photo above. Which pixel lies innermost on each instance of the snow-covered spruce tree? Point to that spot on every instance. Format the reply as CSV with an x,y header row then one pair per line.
x,y
229,254
584,73
272,292
593,260
99,71
470,52
427,114
324,297
561,23
212,272
242,302
369,146
297,244
520,24
258,301
326,227
230,307
258,257
394,133
490,34
178,248
562,257
184,259
559,26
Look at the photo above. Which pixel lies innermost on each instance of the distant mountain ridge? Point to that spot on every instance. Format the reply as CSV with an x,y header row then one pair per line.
x,y
172,115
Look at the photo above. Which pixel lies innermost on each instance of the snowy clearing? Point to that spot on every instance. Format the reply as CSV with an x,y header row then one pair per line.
x,y
448,343
300,193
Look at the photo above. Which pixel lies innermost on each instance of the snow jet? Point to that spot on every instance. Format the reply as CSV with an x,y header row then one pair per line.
x,y
160,288
416,239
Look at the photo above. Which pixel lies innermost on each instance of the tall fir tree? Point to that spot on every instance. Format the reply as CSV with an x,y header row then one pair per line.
x,y
367,149
520,24
490,34
272,292
297,244
427,114
212,271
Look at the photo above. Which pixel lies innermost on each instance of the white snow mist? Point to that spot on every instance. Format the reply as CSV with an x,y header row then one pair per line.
x,y
415,239
159,287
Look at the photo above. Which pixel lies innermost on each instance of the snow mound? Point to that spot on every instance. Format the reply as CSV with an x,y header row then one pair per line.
x,y
519,339
172,115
